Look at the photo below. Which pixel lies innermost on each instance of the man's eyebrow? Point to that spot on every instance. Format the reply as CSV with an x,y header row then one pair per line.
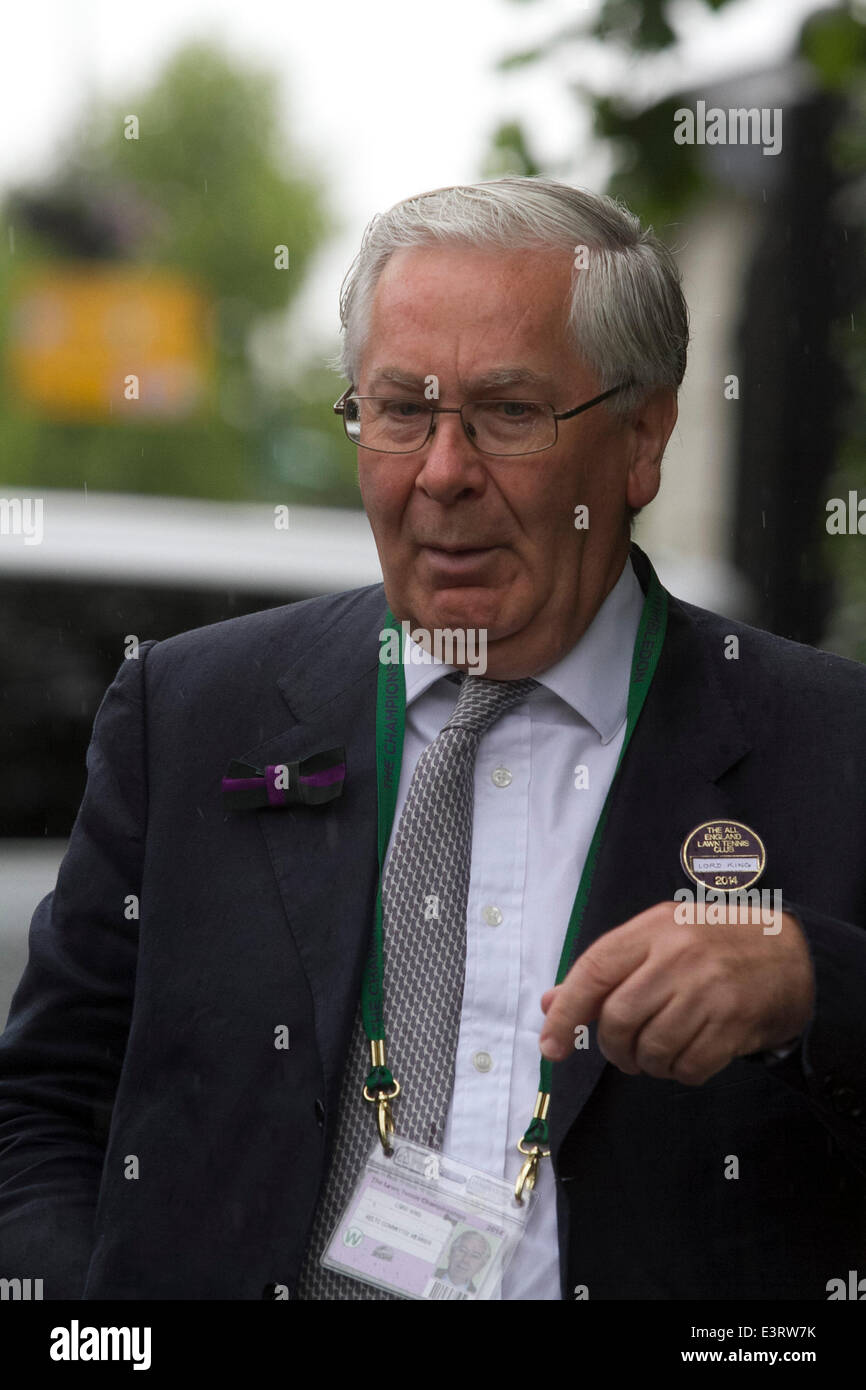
x,y
509,376
397,377
496,377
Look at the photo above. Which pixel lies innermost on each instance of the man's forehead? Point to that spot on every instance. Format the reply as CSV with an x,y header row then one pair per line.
x,y
476,281
447,313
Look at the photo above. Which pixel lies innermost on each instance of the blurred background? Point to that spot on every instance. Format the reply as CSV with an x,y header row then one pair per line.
x,y
182,189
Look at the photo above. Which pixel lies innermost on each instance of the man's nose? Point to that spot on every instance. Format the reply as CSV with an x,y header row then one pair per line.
x,y
450,459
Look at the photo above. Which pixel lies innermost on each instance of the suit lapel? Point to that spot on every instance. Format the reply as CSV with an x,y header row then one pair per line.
x,y
324,857
687,737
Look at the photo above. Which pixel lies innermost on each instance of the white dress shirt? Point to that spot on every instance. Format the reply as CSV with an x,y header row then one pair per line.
x,y
532,828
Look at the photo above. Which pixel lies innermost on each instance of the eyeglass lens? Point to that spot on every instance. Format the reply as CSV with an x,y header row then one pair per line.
x,y
496,427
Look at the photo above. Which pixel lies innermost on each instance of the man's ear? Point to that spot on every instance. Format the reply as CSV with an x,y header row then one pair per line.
x,y
651,425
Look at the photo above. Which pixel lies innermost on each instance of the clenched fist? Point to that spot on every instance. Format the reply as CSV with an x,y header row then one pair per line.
x,y
682,1001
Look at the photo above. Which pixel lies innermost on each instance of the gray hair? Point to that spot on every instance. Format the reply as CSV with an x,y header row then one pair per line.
x,y
627,319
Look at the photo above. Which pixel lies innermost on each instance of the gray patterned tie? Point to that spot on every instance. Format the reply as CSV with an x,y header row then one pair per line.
x,y
425,888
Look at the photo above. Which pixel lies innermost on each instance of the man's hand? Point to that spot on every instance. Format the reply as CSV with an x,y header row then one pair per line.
x,y
681,1002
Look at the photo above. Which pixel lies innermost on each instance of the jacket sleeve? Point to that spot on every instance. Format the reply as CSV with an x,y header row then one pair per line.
x,y
64,1043
829,1065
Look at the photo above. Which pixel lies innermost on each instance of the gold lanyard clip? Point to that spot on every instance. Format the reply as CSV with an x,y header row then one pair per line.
x,y
528,1174
385,1089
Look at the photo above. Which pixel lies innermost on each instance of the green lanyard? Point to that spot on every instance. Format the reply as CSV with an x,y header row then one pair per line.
x,y
381,1086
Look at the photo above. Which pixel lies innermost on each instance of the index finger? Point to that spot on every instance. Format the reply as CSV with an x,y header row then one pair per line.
x,y
579,999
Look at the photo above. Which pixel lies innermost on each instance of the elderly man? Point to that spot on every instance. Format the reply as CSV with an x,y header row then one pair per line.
x,y
445,908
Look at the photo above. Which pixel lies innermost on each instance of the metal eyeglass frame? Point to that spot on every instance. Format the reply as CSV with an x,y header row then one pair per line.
x,y
434,410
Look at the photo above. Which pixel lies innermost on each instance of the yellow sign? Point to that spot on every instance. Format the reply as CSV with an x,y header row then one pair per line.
x,y
104,342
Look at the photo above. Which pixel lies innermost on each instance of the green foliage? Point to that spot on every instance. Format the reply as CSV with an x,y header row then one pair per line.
x,y
519,60
834,43
209,188
641,24
218,181
510,153
306,454
659,189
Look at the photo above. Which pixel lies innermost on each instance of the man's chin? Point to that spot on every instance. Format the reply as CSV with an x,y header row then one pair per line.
x,y
466,609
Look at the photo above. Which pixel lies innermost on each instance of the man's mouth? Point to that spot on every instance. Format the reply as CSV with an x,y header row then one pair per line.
x,y
456,561
457,549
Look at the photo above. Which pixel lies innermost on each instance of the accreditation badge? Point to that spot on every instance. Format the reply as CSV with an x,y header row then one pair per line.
x,y
425,1226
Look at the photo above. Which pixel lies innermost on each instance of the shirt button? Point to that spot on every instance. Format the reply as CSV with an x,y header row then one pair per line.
x,y
501,777
492,916
482,1061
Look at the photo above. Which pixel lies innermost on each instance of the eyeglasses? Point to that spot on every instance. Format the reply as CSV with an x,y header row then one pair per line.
x,y
501,428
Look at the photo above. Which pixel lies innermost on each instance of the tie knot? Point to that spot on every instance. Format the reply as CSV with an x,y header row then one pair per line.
x,y
481,702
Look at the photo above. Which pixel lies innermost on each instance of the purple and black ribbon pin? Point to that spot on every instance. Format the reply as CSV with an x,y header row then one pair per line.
x,y
310,782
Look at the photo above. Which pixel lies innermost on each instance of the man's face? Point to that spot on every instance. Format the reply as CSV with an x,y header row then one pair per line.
x,y
468,540
468,1254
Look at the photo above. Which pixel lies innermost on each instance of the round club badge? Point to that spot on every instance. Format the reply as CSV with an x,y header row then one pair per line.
x,y
724,854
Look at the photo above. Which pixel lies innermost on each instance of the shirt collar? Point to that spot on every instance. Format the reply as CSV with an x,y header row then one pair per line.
x,y
593,677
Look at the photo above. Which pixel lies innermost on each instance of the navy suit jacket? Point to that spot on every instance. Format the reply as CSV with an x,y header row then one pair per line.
x,y
155,1143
